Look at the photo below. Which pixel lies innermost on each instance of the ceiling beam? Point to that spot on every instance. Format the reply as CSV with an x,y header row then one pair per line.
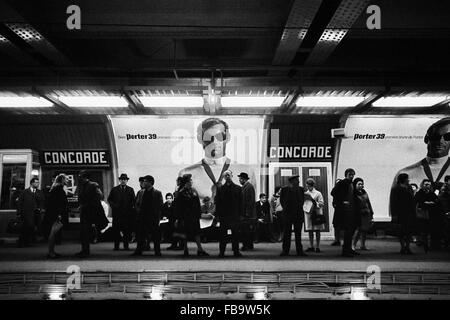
x,y
20,56
343,19
367,103
164,32
33,39
299,20
58,105
288,104
134,103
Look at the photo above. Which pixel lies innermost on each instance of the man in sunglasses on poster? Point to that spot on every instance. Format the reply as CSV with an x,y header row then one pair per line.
x,y
435,166
208,174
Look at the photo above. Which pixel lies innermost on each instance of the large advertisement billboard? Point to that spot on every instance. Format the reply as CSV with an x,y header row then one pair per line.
x,y
200,145
381,147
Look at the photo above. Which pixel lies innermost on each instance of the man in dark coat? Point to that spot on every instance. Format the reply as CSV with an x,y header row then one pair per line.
x,y
91,211
229,211
444,199
262,208
343,199
29,207
403,210
149,216
121,200
292,198
168,213
248,225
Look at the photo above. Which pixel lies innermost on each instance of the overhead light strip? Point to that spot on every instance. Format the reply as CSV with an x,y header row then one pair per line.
x,y
329,101
94,101
172,101
24,102
409,101
252,102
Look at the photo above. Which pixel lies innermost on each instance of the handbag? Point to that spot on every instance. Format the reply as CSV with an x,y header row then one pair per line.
x,y
178,233
422,213
317,219
15,226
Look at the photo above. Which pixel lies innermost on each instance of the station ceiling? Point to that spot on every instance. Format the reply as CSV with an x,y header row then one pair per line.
x,y
234,47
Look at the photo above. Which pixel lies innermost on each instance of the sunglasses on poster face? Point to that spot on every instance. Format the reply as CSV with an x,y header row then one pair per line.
x,y
437,137
220,137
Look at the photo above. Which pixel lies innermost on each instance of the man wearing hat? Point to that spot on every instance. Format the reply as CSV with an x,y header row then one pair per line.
x,y
292,198
91,210
229,211
249,220
149,216
121,200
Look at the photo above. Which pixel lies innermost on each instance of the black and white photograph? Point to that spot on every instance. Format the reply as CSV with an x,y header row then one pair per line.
x,y
224,157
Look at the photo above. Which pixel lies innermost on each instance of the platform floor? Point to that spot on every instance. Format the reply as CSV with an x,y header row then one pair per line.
x,y
265,257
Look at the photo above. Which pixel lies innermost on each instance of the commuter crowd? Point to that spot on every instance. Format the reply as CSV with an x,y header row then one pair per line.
x,y
233,215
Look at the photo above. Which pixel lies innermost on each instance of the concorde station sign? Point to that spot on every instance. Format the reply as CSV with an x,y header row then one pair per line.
x,y
75,158
301,152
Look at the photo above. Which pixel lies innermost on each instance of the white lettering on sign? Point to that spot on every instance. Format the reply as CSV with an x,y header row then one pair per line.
x,y
75,158
300,152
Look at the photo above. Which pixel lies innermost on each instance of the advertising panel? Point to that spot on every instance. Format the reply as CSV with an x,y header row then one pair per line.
x,y
381,147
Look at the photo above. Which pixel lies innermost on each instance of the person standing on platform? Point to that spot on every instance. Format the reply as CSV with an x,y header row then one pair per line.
x,y
248,224
262,208
149,216
292,198
364,213
403,211
137,201
276,210
29,208
187,212
344,201
57,213
91,211
229,211
168,212
444,198
314,218
337,224
427,207
121,199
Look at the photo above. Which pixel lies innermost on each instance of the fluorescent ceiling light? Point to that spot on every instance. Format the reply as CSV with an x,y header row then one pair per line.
x,y
172,101
329,101
24,102
409,101
252,102
94,101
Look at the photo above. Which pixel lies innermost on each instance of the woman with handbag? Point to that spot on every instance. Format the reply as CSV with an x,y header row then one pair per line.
x,y
188,213
426,203
364,213
56,215
403,211
314,217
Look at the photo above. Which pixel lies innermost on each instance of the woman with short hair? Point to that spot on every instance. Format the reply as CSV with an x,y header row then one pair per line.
x,y
314,218
57,212
188,213
403,211
364,213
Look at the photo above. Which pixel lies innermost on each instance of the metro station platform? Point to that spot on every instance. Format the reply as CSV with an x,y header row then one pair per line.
x,y
108,274
264,258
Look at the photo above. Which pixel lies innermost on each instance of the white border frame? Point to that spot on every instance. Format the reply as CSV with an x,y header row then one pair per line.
x,y
273,165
